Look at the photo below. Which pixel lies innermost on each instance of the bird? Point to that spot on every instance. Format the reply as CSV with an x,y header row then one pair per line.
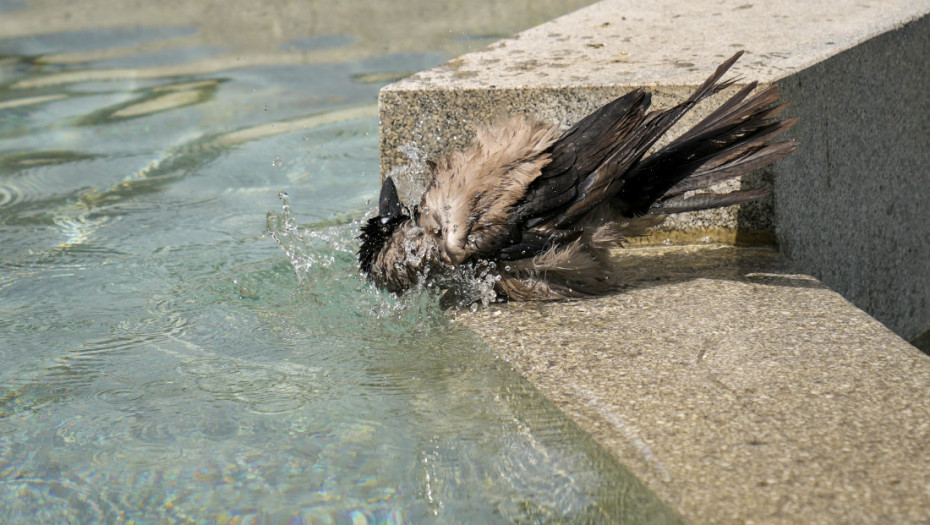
x,y
540,212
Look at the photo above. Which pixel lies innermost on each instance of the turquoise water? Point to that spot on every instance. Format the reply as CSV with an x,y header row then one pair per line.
x,y
165,360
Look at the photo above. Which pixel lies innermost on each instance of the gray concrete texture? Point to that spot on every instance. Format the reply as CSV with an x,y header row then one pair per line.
x,y
736,388
853,206
849,206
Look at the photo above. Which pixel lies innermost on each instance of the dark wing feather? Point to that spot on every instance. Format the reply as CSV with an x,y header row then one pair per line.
x,y
600,161
728,143
605,145
705,201
611,175
753,159
576,154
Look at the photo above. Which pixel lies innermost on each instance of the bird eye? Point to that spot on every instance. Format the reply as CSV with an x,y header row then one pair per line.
x,y
384,220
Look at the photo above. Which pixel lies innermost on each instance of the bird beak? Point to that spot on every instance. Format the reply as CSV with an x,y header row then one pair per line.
x,y
388,203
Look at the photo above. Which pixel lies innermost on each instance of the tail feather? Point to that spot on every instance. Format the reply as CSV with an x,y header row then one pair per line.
x,y
609,177
730,142
706,201
751,160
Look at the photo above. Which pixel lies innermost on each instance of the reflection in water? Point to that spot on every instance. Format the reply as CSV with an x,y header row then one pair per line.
x,y
155,100
162,360
89,39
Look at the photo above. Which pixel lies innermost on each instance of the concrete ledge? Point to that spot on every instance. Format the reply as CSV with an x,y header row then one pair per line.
x,y
563,69
737,389
852,207
849,206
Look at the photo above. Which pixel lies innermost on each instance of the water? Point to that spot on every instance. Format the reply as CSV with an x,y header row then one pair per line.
x,y
164,360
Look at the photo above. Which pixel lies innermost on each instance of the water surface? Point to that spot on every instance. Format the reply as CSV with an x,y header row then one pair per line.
x,y
166,361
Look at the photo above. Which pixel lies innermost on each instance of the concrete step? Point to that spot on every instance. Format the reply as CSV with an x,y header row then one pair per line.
x,y
734,387
849,206
757,394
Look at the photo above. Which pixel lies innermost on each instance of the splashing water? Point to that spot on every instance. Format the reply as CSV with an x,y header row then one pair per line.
x,y
302,245
411,177
470,285
414,152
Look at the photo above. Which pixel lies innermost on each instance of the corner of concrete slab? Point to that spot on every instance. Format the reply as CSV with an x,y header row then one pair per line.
x,y
735,387
851,204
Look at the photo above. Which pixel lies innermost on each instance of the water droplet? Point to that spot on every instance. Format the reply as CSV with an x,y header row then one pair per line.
x,y
276,162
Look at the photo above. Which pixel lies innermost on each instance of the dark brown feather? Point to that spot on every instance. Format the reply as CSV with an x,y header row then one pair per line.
x,y
706,201
720,141
600,177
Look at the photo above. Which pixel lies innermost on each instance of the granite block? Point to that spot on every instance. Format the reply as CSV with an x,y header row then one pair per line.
x,y
737,388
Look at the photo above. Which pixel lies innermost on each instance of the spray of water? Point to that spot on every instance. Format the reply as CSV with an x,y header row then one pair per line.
x,y
411,177
303,245
331,250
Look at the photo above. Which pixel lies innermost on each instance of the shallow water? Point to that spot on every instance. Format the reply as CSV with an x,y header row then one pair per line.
x,y
166,361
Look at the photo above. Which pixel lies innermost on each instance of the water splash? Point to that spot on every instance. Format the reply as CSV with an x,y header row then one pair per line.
x,y
470,285
306,248
415,153
411,177
312,250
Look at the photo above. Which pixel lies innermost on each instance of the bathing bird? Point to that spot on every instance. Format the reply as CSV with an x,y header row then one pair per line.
x,y
540,212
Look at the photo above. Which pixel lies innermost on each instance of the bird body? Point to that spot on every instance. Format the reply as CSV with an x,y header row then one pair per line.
x,y
540,211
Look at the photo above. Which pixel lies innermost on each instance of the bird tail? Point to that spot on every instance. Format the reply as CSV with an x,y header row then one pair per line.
x,y
730,142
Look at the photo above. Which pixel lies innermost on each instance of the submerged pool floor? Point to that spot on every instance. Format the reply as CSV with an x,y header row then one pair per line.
x,y
163,360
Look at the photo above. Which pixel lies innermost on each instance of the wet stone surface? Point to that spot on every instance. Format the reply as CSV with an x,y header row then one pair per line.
x,y
736,388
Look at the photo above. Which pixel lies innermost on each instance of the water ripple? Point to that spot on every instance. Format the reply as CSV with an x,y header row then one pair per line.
x,y
119,396
159,430
278,399
245,381
263,390
165,388
10,195
55,500
140,455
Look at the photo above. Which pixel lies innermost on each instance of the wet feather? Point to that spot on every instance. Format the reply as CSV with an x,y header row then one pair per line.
x,y
540,213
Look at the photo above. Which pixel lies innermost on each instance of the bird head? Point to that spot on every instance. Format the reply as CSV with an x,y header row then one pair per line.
x,y
380,228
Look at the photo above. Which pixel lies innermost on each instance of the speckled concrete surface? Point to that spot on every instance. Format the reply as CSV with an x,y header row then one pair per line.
x,y
669,42
852,203
737,389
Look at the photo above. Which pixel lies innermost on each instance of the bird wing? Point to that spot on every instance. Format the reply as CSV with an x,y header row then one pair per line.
x,y
591,163
733,140
518,190
468,205
572,177
604,161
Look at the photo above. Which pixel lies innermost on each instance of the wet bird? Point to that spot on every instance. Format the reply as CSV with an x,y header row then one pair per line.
x,y
539,212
